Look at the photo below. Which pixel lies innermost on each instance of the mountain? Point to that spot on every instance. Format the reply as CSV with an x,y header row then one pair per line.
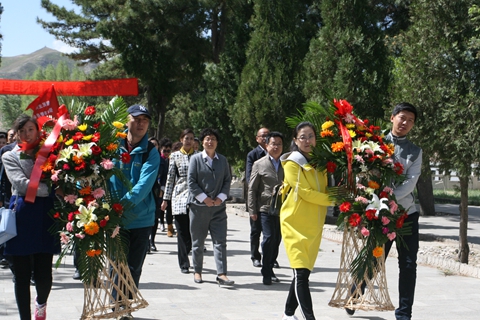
x,y
18,67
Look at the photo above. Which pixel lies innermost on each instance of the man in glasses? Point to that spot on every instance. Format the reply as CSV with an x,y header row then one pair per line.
x,y
255,225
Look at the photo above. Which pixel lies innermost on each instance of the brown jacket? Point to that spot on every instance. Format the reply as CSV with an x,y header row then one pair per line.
x,y
262,180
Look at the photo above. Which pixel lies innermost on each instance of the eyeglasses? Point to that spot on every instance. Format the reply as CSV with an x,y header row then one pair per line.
x,y
210,139
305,138
276,145
166,150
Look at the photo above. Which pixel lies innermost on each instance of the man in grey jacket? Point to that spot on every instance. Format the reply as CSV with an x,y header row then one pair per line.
x,y
267,172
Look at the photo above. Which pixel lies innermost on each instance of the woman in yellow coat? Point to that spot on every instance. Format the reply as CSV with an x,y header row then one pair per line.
x,y
302,217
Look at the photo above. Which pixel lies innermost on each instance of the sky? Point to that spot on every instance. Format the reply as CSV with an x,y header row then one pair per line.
x,y
21,32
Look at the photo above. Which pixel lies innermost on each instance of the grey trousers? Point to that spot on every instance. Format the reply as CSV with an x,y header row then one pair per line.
x,y
202,220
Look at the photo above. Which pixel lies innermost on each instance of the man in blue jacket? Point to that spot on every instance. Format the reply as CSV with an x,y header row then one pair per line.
x,y
140,215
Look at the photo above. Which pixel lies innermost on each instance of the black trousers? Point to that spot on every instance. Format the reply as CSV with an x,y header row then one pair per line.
x,y
184,239
407,264
271,241
41,264
255,232
300,294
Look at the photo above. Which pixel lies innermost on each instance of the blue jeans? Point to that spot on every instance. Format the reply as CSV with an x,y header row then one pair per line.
x,y
407,263
270,243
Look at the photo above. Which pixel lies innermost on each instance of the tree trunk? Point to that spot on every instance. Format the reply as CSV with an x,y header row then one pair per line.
x,y
425,192
464,248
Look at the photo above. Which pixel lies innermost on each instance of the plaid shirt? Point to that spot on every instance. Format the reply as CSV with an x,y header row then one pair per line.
x,y
176,188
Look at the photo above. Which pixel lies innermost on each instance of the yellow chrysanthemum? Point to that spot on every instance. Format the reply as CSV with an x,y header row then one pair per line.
x,y
69,142
368,135
352,133
118,125
391,148
327,124
337,146
87,138
60,139
377,252
326,133
350,125
91,228
121,135
82,127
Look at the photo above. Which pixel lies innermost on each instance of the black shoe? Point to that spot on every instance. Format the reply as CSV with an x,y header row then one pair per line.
x,y
276,265
197,280
153,247
350,312
222,282
275,279
267,281
257,263
76,275
184,270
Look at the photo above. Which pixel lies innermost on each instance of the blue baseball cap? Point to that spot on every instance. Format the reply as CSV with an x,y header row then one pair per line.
x,y
137,110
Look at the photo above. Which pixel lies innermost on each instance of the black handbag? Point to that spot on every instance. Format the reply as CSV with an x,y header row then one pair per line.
x,y
277,200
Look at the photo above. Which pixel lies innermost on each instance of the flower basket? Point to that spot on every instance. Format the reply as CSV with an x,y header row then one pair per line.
x,y
348,291
112,294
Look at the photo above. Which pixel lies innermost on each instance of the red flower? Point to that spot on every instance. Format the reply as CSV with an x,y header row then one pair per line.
x,y
383,194
96,125
71,216
343,107
95,137
370,214
56,215
96,150
400,221
77,136
92,161
118,208
52,158
398,168
80,167
88,198
331,166
66,167
90,111
126,157
103,223
345,207
354,219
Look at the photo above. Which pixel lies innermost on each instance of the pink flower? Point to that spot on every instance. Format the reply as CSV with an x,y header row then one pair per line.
x,y
92,204
70,198
64,238
391,235
385,221
79,235
385,230
388,190
71,124
393,206
54,176
107,164
360,186
116,231
361,200
98,193
359,158
365,232
69,227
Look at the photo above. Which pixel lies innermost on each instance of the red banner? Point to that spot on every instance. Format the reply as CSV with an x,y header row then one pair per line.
x,y
45,105
114,87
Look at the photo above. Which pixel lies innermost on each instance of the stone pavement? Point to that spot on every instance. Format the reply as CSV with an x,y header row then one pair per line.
x,y
173,295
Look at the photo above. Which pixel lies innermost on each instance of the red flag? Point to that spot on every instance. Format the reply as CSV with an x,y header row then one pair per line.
x,y
45,105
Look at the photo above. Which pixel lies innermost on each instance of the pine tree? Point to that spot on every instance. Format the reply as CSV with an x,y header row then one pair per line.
x,y
271,88
438,72
349,59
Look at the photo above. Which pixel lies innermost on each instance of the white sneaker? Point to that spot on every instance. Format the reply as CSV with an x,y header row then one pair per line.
x,y
285,317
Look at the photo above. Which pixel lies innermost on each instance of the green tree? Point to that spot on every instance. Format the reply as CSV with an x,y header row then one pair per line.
x,y
62,71
50,73
38,74
10,108
153,39
349,59
439,73
271,87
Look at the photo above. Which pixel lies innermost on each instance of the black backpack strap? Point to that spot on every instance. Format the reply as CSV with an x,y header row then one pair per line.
x,y
145,155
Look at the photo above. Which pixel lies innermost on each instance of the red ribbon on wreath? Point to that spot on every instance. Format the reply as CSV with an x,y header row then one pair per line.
x,y
43,155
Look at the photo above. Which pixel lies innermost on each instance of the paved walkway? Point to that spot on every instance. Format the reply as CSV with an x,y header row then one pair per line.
x,y
173,295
